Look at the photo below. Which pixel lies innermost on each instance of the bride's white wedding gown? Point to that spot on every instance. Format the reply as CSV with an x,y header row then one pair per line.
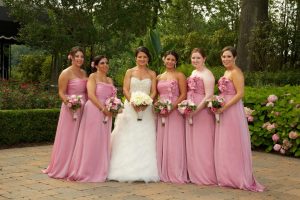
x,y
133,142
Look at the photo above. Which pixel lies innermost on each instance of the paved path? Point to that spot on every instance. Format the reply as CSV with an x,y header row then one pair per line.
x,y
21,178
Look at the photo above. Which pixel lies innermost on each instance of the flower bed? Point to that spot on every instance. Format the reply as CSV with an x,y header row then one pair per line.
x,y
18,95
273,115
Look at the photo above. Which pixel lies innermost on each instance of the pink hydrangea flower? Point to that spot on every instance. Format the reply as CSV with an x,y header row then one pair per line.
x,y
275,137
282,151
270,104
250,118
265,125
277,147
293,135
272,98
271,126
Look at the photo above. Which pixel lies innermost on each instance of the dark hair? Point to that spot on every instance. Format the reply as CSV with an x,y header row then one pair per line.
x,y
96,61
231,49
199,50
75,49
173,53
144,50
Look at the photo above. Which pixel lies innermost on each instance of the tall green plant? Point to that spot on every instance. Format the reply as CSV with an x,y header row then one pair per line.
x,y
154,44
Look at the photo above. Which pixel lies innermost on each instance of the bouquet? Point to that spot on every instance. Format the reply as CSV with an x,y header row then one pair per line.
x,y
163,107
186,107
214,103
113,105
74,102
140,100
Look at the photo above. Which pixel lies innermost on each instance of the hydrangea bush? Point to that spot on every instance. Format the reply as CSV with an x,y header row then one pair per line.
x,y
273,116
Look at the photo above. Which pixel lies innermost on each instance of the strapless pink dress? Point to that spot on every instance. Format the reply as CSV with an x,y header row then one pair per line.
x,y
66,133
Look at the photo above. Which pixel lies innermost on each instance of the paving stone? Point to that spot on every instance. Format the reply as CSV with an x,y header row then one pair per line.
x,y
21,178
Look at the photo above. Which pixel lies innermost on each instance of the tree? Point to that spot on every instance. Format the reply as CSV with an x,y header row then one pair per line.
x,y
253,13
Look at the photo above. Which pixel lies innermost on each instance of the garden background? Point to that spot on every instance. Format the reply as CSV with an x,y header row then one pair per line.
x,y
265,33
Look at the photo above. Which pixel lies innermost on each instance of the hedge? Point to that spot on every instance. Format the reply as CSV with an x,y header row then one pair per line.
x,y
27,126
274,126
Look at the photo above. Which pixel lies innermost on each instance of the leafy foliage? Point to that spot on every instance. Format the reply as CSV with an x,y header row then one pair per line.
x,y
281,117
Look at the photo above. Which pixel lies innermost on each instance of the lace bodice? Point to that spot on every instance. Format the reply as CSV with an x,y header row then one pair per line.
x,y
143,85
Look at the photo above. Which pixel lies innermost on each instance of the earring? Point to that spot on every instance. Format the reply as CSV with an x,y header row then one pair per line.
x,y
175,65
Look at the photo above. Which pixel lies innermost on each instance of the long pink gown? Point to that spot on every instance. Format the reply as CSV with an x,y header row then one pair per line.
x,y
91,156
66,133
171,150
200,138
233,159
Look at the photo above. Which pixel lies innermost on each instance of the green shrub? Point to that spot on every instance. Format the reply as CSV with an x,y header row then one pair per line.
x,y
27,126
264,78
281,117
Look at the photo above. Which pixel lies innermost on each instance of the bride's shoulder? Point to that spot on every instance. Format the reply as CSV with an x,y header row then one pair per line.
x,y
152,73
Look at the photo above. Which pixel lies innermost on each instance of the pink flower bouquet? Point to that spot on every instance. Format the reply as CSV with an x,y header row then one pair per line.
x,y
214,103
74,102
186,107
163,107
113,105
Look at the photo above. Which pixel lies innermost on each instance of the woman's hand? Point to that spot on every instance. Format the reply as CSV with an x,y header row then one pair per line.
x,y
106,112
220,110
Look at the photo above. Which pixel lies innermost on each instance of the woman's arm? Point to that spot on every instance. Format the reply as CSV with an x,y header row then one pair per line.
x,y
91,89
126,84
153,91
209,84
182,89
62,86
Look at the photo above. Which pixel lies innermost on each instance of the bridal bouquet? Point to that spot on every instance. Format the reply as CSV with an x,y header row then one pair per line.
x,y
214,103
140,100
163,107
186,107
74,102
113,105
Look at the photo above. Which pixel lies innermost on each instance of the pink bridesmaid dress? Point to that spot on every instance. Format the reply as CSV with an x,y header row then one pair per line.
x,y
91,156
200,138
233,159
66,133
171,151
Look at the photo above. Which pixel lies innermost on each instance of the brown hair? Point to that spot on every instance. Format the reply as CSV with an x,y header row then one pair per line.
x,y
74,50
231,49
199,50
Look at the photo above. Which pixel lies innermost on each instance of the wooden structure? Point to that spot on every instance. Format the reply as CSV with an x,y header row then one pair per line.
x,y
8,33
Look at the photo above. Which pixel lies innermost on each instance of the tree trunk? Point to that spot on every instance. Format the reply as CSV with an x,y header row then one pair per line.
x,y
252,12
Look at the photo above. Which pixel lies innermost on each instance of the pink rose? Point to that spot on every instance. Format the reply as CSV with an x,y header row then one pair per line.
x,y
270,104
272,98
250,118
293,135
277,147
69,105
282,151
275,137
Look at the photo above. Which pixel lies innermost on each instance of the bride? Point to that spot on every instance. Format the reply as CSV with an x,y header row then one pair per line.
x,y
133,156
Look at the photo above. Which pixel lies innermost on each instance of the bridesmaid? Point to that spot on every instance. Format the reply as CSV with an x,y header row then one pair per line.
x,y
91,155
200,135
233,159
71,81
171,151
